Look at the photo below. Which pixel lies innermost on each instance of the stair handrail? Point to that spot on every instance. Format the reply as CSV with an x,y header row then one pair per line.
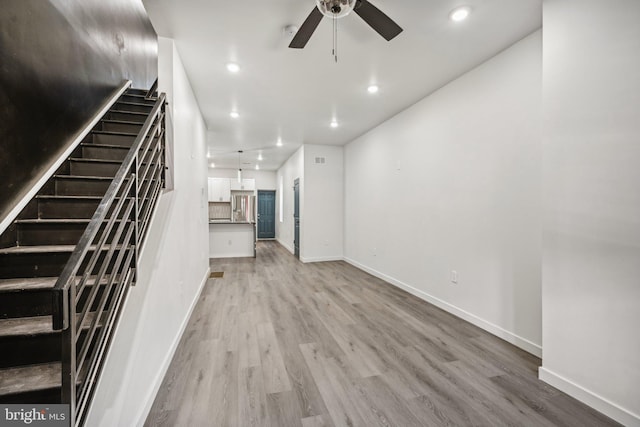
x,y
152,90
123,194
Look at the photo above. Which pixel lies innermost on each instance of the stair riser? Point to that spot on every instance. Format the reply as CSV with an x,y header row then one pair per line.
x,y
104,153
137,99
50,395
35,303
36,265
29,349
121,127
136,108
9,237
70,208
25,304
126,117
67,208
54,234
81,168
136,91
109,139
78,187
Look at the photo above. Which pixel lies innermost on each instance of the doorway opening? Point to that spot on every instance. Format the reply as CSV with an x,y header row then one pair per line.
x,y
296,217
266,214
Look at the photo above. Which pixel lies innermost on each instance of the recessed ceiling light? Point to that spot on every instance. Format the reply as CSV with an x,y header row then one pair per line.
x,y
233,67
334,124
234,114
459,14
260,157
373,89
257,167
279,143
213,165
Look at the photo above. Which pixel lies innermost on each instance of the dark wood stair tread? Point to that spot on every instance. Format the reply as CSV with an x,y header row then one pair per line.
x,y
113,146
137,113
30,378
113,132
44,249
134,103
121,122
37,325
64,197
39,283
79,159
37,249
59,221
88,177
26,326
54,221
28,283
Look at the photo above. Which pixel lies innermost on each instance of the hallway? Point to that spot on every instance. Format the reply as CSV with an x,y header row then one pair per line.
x,y
280,343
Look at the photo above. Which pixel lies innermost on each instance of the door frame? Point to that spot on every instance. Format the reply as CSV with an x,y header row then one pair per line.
x,y
296,219
258,214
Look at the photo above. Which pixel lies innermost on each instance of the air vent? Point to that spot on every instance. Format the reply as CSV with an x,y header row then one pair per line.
x,y
320,160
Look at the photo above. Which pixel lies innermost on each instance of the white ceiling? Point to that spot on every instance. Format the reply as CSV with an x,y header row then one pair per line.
x,y
294,94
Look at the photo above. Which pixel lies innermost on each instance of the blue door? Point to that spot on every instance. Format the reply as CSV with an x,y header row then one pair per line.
x,y
266,214
296,217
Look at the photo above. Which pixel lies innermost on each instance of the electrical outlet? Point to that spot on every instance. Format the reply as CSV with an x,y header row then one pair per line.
x,y
454,276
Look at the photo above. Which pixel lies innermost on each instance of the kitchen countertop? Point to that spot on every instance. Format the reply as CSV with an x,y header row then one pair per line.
x,y
227,221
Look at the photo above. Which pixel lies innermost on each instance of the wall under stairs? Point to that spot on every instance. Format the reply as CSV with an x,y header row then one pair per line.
x,y
55,74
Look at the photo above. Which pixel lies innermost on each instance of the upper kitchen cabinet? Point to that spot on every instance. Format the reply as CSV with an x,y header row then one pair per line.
x,y
219,190
248,184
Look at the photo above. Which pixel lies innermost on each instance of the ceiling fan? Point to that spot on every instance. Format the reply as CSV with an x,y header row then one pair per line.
x,y
340,8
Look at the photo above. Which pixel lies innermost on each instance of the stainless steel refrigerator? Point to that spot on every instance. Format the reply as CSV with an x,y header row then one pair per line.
x,y
243,208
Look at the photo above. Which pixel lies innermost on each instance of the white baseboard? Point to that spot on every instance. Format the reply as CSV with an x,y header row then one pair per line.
x,y
589,398
496,330
321,259
6,221
286,246
157,381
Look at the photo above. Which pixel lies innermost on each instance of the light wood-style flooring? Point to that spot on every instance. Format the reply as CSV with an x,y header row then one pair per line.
x,y
279,343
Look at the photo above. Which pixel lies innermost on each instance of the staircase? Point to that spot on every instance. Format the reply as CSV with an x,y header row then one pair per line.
x,y
96,209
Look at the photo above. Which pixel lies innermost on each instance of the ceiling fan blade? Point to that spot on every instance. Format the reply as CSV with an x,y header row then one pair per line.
x,y
377,20
306,30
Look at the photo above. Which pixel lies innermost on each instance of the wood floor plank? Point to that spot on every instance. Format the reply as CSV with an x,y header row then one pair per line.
x,y
335,396
252,399
248,349
274,372
317,421
279,343
284,409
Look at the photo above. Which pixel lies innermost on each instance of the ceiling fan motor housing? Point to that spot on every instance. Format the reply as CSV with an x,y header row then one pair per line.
x,y
336,8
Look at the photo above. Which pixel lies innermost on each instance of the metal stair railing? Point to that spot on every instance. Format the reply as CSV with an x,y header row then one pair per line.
x,y
89,294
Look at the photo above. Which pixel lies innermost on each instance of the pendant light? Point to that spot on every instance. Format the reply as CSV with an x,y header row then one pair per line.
x,y
239,168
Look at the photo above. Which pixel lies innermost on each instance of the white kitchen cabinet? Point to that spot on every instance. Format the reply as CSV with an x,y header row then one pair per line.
x,y
219,190
248,184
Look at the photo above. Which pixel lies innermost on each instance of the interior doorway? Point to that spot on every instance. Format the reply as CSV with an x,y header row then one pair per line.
x,y
266,214
296,217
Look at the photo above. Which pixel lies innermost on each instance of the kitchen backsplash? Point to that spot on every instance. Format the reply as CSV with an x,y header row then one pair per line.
x,y
219,210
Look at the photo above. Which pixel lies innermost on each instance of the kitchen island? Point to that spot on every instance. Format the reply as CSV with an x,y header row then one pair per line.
x,y
232,239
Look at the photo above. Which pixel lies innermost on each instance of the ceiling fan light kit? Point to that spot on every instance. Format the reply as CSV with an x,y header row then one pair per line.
x,y
336,8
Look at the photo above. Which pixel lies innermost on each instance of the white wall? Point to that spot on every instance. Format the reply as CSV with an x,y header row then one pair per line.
x,y
172,269
453,183
293,168
323,220
591,157
265,180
